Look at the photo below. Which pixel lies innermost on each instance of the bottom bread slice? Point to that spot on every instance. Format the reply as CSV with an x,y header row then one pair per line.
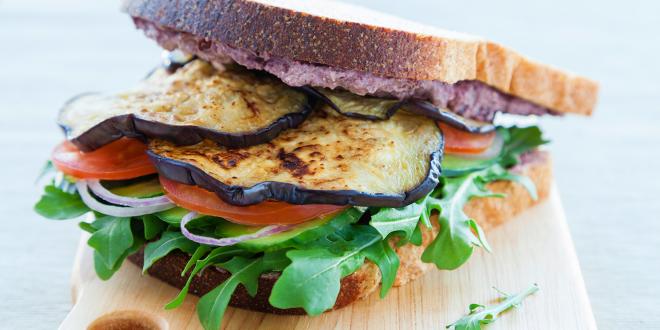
x,y
488,212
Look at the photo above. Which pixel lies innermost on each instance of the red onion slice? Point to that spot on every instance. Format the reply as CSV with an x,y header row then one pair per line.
x,y
115,211
99,190
264,232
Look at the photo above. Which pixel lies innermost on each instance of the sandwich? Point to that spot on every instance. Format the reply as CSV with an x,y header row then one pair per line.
x,y
293,157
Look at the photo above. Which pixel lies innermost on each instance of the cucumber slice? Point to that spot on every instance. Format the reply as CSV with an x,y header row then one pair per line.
x,y
136,188
299,236
454,165
173,216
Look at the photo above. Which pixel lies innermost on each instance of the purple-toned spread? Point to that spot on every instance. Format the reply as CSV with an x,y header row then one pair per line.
x,y
470,98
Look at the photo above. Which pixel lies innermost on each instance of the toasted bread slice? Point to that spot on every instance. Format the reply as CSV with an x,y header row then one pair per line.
x,y
324,32
489,212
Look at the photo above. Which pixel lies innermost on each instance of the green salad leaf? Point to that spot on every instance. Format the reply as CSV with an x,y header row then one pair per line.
x,y
519,140
402,219
245,271
111,239
104,272
216,256
153,226
481,315
340,221
200,252
315,273
459,234
168,242
57,204
211,307
382,254
313,261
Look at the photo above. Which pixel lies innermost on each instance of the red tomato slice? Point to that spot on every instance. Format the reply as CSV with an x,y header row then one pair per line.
x,y
264,213
457,141
119,160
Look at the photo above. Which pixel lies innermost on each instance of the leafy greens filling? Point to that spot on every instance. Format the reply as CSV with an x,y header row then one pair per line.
x,y
483,315
313,263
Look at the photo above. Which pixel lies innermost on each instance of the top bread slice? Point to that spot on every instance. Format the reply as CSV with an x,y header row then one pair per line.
x,y
349,37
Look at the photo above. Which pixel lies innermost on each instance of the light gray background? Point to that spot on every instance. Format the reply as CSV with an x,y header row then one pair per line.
x,y
606,166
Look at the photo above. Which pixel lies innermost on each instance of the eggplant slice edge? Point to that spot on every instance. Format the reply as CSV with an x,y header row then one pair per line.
x,y
177,121
375,108
213,167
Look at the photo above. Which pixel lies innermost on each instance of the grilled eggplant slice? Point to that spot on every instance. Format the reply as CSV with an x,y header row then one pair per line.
x,y
373,108
351,105
328,159
234,107
427,109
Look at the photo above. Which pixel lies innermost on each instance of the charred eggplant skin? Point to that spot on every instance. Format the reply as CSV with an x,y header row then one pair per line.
x,y
323,98
419,107
132,126
237,195
328,159
425,108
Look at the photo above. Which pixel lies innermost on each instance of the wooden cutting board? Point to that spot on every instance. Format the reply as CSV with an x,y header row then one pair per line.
x,y
534,248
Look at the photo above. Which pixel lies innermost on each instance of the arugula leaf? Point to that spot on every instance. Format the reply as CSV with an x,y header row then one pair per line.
x,y
276,261
172,216
387,261
57,204
168,242
480,314
211,307
405,219
499,173
458,233
416,238
312,236
518,140
246,271
153,226
86,226
216,256
111,240
104,272
315,273
201,251
455,241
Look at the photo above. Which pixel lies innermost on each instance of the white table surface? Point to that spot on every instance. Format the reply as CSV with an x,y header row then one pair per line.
x,y
606,166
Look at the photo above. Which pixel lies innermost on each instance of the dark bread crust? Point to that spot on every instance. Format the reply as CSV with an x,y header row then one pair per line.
x,y
489,212
271,31
169,268
286,33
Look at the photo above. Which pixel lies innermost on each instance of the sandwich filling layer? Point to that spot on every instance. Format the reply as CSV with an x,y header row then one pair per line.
x,y
353,181
328,159
470,98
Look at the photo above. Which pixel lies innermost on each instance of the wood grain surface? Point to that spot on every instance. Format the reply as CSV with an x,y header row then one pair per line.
x,y
534,248
606,165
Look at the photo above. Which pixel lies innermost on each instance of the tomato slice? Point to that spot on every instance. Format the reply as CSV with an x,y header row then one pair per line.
x,y
119,160
457,141
264,213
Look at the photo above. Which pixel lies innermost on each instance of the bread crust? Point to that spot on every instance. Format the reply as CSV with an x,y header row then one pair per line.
x,y
386,52
489,212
